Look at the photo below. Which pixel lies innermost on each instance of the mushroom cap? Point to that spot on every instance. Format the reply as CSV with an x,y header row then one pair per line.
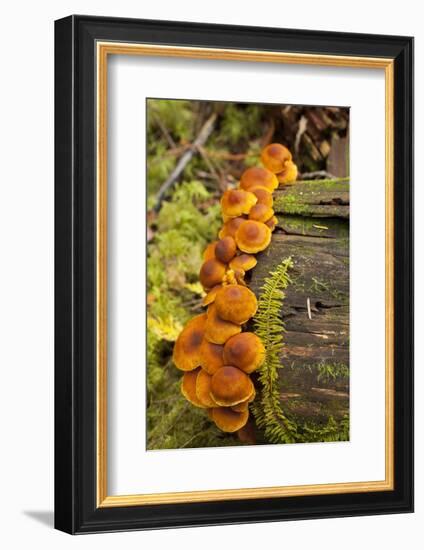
x,y
244,405
235,303
188,388
235,202
203,389
230,227
240,407
244,262
209,252
211,295
217,331
245,351
257,176
253,236
211,356
289,174
226,249
228,420
274,157
263,195
230,386
187,346
272,223
260,213
211,273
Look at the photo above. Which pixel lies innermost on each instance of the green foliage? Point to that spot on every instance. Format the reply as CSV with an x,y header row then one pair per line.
x,y
159,166
331,431
253,155
239,122
174,423
168,123
187,222
270,328
176,116
330,372
175,254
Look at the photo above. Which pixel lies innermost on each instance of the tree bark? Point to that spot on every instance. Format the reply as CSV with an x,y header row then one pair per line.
x,y
313,229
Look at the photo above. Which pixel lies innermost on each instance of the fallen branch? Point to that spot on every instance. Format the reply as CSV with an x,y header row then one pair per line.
x,y
203,135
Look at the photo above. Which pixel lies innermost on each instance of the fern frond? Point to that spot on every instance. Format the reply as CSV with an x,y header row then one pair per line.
x,y
269,326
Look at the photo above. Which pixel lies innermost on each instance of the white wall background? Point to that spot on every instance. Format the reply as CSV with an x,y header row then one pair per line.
x,y
26,273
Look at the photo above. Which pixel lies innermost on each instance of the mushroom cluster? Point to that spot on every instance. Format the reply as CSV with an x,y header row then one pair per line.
x,y
214,350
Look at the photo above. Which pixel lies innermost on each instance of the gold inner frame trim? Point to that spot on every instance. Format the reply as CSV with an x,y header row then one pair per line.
x,y
103,50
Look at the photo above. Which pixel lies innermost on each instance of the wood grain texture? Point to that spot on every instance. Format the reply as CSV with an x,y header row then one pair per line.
x,y
314,380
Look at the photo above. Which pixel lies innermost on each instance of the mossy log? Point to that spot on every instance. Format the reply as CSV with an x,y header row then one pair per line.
x,y
313,229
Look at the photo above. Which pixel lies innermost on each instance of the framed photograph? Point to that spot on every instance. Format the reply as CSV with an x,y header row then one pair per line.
x,y
234,274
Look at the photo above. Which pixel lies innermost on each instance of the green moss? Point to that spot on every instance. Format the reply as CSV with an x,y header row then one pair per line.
x,y
333,184
174,259
289,204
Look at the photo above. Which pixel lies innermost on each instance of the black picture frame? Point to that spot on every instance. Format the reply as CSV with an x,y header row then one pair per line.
x,y
76,510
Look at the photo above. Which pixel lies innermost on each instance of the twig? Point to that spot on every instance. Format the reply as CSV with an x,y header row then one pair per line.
x,y
303,122
203,135
205,157
164,130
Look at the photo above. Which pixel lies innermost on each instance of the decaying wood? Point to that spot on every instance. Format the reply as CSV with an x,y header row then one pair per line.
x,y
313,230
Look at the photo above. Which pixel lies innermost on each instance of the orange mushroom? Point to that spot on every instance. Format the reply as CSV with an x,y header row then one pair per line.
x,y
203,389
245,351
209,253
263,195
226,249
211,295
188,388
272,223
244,405
240,407
244,262
229,228
228,420
211,356
289,174
236,202
235,303
258,177
260,213
217,330
187,346
230,386
275,156
253,236
234,277
211,273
